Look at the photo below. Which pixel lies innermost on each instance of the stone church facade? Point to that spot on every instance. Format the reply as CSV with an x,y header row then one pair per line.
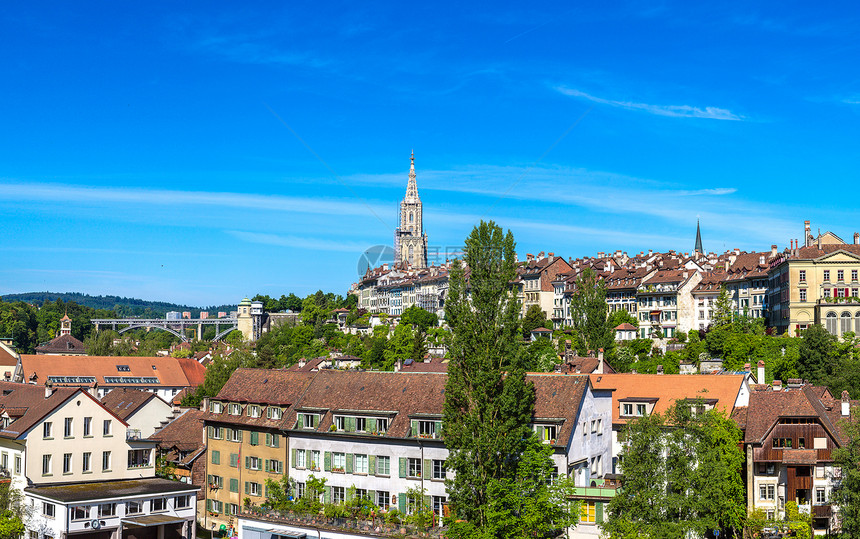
x,y
410,241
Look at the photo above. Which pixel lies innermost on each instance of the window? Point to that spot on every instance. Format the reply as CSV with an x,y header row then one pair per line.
x,y
234,409
123,368
67,428
340,422
234,460
86,464
383,465
627,409
276,466
17,464
766,492
361,494
232,509
255,438
826,275
315,460
234,484
426,429
88,426
107,510
593,426
274,413
309,421
300,490
360,464
337,495
48,509
254,411
216,457
853,275
272,440
216,407
105,461
80,512
133,508
181,502
588,513
338,462
139,458
301,461
413,467
233,435
46,464
159,504
820,496
215,506
438,505
640,410
46,429
819,472
802,294
361,424
840,275
782,442
252,463
252,488
439,471
382,425
107,427
383,499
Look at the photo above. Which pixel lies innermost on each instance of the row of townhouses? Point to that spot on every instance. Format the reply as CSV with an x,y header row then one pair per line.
x,y
377,435
668,293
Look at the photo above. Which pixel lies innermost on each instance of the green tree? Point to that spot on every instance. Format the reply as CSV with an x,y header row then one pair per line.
x,y
217,374
100,343
533,319
11,512
400,346
722,309
817,361
588,312
488,403
847,458
621,316
418,318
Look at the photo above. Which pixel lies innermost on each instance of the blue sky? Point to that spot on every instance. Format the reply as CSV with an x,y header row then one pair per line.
x,y
202,152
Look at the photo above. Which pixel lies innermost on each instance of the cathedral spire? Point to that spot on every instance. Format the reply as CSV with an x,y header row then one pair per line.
x,y
412,185
698,247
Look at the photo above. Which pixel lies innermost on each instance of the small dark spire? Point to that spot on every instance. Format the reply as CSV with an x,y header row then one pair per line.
x,y
698,247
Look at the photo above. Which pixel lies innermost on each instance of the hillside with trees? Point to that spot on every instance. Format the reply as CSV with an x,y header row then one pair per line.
x,y
121,306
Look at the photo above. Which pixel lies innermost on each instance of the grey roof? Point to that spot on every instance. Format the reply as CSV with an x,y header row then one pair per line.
x,y
103,490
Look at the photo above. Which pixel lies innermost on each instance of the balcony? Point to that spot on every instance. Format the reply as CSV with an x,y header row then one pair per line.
x,y
839,301
822,511
133,434
376,527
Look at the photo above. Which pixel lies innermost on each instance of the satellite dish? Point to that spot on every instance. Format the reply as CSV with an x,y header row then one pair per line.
x,y
95,524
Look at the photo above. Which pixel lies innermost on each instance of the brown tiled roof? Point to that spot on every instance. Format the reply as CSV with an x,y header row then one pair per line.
x,y
310,365
194,371
813,252
739,415
167,369
28,402
435,364
667,276
8,357
626,326
275,386
766,407
124,401
64,344
667,388
185,432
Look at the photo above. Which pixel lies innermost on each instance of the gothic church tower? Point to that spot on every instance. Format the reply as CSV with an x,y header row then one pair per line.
x,y
410,241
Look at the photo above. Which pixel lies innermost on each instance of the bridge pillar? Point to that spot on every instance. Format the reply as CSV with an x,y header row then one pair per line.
x,y
200,331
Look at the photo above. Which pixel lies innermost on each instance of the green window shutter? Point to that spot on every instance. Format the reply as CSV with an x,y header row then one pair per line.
x,y
401,502
209,479
371,495
414,428
327,461
255,438
211,432
247,462
427,502
294,458
350,463
350,424
268,440
234,460
327,496
427,472
371,466
234,485
216,457
599,512
402,466
276,440
539,432
208,501
300,420
247,488
438,428
266,464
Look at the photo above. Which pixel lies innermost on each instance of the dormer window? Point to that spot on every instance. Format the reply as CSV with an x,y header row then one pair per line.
x,y
253,411
123,368
274,413
308,421
216,407
546,433
234,409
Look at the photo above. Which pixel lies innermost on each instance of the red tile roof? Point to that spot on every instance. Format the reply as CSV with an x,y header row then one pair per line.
x,y
64,344
168,370
124,401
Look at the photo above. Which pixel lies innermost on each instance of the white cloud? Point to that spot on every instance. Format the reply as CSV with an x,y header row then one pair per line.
x,y
674,111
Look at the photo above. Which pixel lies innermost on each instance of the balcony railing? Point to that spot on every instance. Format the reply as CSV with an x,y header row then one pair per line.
x,y
376,526
133,434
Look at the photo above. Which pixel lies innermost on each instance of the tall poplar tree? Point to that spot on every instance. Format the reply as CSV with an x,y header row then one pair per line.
x,y
589,312
488,402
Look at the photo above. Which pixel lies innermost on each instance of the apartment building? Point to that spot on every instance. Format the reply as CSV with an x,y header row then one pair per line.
x,y
789,438
379,433
705,296
77,467
534,283
665,303
746,283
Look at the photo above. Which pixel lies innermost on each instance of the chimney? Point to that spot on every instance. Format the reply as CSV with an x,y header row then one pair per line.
x,y
737,251
807,233
94,390
551,254
760,375
600,361
746,368
540,255
659,369
761,260
650,252
777,385
773,250
530,257
846,404
49,390
204,404
857,238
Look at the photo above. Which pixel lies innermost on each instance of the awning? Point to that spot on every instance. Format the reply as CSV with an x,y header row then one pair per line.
x,y
151,520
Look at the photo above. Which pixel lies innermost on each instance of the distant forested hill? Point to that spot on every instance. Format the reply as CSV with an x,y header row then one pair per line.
x,y
123,307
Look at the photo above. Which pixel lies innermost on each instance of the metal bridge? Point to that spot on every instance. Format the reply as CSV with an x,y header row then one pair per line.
x,y
177,327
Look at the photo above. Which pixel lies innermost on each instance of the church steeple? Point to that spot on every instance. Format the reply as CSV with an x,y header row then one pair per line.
x,y
698,247
410,242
